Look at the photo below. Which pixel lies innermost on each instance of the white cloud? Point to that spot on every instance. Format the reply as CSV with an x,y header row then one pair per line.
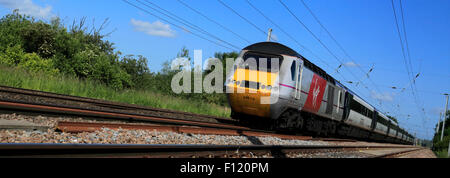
x,y
28,7
351,64
382,96
156,28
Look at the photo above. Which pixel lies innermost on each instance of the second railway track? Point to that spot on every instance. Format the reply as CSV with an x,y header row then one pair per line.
x,y
178,151
26,96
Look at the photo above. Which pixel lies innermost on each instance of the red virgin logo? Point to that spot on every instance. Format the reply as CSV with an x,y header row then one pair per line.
x,y
315,95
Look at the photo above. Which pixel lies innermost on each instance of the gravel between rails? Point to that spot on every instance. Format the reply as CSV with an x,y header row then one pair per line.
x,y
125,136
122,136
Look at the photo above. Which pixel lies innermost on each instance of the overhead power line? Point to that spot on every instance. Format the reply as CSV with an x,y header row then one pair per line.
x,y
178,26
285,33
213,21
323,45
406,37
184,22
409,54
407,57
401,43
242,17
341,47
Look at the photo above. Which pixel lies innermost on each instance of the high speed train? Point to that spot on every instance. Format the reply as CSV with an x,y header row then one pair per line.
x,y
299,96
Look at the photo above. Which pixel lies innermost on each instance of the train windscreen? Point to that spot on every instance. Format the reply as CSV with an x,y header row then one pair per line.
x,y
259,60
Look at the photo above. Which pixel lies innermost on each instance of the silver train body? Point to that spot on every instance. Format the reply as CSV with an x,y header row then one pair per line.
x,y
301,96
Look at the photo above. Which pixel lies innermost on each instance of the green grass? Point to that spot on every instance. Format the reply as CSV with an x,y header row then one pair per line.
x,y
16,77
441,154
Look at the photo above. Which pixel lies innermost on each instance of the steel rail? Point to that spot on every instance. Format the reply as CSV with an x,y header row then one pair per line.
x,y
163,151
77,127
101,103
395,154
113,115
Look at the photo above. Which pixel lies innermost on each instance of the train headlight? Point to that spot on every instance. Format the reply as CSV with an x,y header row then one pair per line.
x,y
263,86
269,87
238,83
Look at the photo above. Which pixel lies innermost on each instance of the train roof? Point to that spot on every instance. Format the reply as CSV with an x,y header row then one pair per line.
x,y
272,48
277,48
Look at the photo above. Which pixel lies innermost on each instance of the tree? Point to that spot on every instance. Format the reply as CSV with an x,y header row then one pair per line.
x,y
51,48
137,68
222,57
393,118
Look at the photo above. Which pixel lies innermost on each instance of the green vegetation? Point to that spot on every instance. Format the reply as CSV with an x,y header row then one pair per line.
x,y
70,85
393,118
441,154
76,60
440,148
52,48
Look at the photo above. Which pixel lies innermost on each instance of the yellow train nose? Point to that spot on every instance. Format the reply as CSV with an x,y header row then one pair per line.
x,y
249,87
249,103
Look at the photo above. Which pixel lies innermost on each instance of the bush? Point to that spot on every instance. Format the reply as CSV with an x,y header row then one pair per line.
x,y
15,56
51,48
111,74
12,55
34,63
77,51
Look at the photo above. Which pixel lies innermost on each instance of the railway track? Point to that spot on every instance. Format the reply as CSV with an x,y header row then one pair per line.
x,y
35,101
398,153
111,115
173,151
33,97
154,119
77,127
44,102
26,101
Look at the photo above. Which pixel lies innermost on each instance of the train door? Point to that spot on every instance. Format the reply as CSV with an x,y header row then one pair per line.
x,y
338,104
330,100
348,98
298,79
374,120
339,101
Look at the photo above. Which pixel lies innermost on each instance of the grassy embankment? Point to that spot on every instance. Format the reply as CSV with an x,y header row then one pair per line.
x,y
16,77
441,154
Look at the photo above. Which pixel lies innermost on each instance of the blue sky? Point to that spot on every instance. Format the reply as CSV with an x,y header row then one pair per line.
x,y
364,28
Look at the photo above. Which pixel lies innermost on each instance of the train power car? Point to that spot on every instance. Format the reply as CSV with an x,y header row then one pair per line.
x,y
302,97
